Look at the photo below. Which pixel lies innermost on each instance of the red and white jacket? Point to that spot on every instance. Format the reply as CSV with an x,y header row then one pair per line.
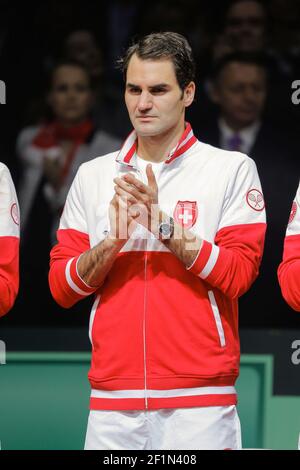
x,y
289,269
9,241
165,335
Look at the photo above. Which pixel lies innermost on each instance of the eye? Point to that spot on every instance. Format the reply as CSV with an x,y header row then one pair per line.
x,y
158,91
63,87
81,88
134,90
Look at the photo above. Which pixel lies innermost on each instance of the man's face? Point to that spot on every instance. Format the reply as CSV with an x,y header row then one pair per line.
x,y
245,26
70,97
154,100
241,92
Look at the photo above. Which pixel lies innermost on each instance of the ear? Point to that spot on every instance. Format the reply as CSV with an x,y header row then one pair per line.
x,y
189,94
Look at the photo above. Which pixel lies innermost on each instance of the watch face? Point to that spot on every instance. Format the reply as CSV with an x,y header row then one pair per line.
x,y
165,230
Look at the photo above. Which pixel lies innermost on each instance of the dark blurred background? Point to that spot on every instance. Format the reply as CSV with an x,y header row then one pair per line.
x,y
247,54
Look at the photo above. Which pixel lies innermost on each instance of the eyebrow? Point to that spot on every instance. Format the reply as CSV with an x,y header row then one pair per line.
x,y
158,85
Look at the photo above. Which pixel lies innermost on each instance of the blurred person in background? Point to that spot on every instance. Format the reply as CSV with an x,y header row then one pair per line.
x,y
245,26
50,154
285,34
285,49
108,110
249,27
240,27
240,89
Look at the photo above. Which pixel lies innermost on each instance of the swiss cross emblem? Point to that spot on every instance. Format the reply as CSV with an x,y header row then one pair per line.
x,y
255,200
186,213
293,212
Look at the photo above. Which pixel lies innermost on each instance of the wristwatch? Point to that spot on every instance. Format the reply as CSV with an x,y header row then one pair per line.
x,y
166,229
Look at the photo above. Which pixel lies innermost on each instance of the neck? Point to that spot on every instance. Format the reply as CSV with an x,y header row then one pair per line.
x,y
157,148
67,123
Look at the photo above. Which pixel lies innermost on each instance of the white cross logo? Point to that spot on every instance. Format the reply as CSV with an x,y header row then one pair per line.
x,y
186,216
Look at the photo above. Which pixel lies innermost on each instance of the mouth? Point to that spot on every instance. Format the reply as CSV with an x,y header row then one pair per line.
x,y
248,111
146,117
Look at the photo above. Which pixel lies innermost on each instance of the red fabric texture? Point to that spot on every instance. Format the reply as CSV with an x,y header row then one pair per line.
x,y
9,272
52,134
289,272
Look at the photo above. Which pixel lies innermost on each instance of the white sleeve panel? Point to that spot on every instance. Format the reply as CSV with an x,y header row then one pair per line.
x,y
244,202
9,207
73,216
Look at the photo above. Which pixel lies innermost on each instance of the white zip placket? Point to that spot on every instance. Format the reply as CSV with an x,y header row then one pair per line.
x,y
134,168
145,295
144,310
129,151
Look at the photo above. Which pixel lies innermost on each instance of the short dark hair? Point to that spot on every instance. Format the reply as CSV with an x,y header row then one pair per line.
x,y
232,3
247,58
164,45
65,62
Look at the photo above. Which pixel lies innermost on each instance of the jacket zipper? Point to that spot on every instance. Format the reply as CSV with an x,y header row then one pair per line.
x,y
145,303
144,312
144,329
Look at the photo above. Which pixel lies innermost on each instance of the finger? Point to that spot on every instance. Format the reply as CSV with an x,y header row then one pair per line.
x,y
151,176
121,192
122,203
114,199
131,179
128,187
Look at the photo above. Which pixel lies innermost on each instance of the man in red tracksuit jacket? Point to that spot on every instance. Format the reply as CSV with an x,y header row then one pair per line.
x,y
289,269
167,248
9,241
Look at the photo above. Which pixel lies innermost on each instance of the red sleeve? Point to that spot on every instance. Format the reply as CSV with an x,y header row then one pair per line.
x,y
231,264
9,272
66,285
289,272
289,269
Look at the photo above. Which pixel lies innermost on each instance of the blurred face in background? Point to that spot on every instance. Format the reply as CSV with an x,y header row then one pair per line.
x,y
155,102
70,97
240,91
245,26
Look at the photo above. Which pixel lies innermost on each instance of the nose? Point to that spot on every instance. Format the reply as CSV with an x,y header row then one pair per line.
x,y
250,95
145,101
71,93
